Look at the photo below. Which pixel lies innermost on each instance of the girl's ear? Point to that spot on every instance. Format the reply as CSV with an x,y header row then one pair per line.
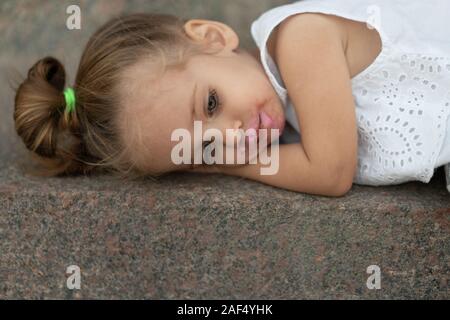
x,y
212,34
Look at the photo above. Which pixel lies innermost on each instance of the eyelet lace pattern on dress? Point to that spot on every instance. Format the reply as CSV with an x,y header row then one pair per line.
x,y
401,111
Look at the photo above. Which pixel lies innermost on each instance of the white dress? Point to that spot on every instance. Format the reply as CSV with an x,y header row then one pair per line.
x,y
402,99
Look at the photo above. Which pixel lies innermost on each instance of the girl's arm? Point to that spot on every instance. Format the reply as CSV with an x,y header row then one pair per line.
x,y
310,53
294,172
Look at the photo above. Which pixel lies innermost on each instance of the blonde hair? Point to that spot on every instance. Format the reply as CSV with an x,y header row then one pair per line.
x,y
88,139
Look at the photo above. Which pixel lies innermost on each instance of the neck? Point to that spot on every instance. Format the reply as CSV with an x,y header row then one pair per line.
x,y
255,53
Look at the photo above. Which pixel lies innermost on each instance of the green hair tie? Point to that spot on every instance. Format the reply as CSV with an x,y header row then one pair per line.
x,y
69,95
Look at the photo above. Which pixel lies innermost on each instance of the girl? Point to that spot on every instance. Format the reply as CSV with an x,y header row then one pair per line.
x,y
368,82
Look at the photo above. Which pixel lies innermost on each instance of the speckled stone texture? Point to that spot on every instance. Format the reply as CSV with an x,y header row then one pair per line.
x,y
196,236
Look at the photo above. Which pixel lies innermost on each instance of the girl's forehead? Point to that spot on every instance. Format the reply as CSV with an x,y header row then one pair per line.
x,y
154,114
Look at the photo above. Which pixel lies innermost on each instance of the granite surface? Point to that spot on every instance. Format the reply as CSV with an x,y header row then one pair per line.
x,y
199,236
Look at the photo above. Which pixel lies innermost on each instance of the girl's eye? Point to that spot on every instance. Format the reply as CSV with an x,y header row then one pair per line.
x,y
213,102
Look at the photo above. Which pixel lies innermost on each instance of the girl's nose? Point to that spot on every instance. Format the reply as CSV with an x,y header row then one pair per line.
x,y
232,130
236,126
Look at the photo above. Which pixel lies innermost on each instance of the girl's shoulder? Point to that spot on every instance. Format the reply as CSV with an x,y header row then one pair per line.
x,y
361,45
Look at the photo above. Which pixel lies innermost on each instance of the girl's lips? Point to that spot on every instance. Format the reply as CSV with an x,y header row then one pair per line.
x,y
263,121
256,125
266,120
269,123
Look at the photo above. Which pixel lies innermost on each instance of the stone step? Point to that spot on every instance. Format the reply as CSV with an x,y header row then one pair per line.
x,y
219,237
